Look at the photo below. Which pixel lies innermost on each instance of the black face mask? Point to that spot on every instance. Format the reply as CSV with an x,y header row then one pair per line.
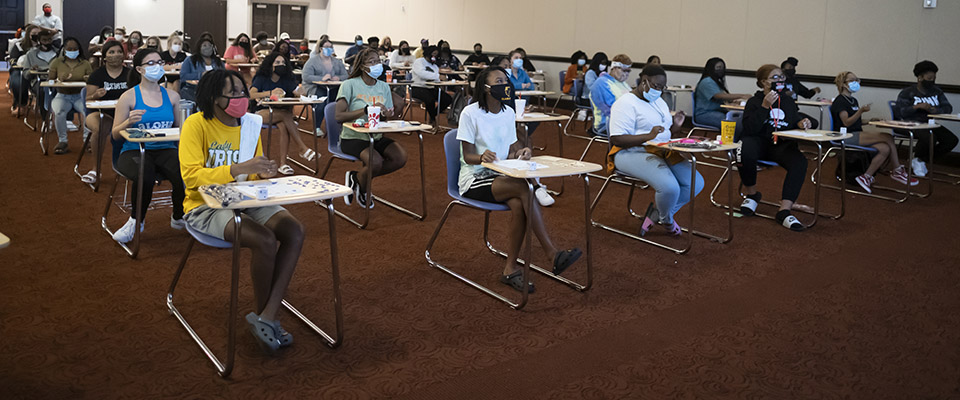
x,y
46,47
245,45
280,69
501,92
405,51
35,38
928,84
153,47
778,87
790,72
719,74
478,52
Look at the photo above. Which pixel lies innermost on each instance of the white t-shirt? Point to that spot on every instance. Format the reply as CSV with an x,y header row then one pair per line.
x,y
51,22
631,115
486,131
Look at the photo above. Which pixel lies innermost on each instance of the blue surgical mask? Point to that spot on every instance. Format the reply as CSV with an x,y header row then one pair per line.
x,y
328,51
652,95
602,67
854,86
581,62
518,63
359,43
72,54
375,71
153,73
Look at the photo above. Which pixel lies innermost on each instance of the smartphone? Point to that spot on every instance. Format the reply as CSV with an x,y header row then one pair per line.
x,y
414,123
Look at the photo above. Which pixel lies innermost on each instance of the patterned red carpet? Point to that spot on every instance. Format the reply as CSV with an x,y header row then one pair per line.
x,y
861,308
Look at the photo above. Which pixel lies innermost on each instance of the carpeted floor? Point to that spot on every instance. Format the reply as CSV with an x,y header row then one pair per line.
x,y
863,308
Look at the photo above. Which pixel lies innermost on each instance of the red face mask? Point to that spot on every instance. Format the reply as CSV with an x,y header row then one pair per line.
x,y
237,107
47,11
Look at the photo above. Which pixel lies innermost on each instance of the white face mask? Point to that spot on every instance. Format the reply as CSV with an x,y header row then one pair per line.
x,y
603,67
175,48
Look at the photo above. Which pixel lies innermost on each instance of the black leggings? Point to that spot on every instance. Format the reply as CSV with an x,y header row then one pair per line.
x,y
429,96
165,162
943,142
786,153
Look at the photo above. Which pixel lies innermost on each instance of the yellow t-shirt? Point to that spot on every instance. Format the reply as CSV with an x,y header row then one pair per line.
x,y
207,150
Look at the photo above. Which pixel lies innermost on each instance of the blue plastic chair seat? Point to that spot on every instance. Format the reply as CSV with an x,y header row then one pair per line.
x,y
207,239
451,149
333,133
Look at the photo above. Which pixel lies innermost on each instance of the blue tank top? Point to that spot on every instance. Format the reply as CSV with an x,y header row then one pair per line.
x,y
153,118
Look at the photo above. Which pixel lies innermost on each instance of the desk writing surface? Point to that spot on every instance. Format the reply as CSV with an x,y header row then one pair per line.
x,y
548,167
169,135
102,104
945,117
541,117
909,125
720,147
286,190
813,135
534,93
60,84
390,127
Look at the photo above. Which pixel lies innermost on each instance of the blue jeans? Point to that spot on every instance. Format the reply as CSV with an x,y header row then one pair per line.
x,y
671,181
61,105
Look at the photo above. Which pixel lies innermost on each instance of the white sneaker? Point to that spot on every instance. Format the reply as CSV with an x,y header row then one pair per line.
x,y
125,233
919,167
543,197
71,126
178,224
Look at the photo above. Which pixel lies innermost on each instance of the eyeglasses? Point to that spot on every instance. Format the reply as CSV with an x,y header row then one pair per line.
x,y
152,63
657,87
776,78
850,81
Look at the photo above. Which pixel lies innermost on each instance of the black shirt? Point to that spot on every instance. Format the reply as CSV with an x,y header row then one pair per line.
x,y
762,122
851,106
793,84
478,58
114,86
167,58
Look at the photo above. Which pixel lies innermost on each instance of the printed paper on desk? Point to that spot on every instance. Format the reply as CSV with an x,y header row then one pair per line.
x,y
165,131
802,133
520,165
391,125
102,103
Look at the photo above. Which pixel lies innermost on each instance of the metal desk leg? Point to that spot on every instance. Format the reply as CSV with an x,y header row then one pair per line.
x,y
331,341
266,146
693,179
560,145
423,190
366,210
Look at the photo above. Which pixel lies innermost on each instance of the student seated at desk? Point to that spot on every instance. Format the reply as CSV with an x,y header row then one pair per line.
x,y
134,42
356,94
72,66
322,67
641,116
386,46
204,60
847,112
915,103
577,69
240,52
598,65
527,65
446,59
263,46
767,112
609,87
173,58
275,80
795,88
711,93
478,58
106,83
273,235
96,43
39,56
518,77
353,50
401,57
488,132
653,60
148,106
425,70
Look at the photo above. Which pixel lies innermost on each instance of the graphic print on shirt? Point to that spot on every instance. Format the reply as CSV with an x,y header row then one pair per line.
x,y
933,101
108,86
155,125
220,154
370,99
776,118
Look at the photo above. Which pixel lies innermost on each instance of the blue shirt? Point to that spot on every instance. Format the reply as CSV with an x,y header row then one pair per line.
x,y
706,89
606,90
192,72
520,79
153,118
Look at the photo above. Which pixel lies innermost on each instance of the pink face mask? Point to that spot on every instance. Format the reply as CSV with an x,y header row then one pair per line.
x,y
237,107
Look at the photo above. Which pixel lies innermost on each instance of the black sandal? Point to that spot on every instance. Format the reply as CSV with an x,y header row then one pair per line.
x,y
564,259
515,280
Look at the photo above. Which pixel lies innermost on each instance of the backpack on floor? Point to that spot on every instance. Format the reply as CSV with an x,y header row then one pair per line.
x,y
857,164
459,102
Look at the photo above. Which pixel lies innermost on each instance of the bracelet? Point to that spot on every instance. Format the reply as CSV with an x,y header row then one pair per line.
x,y
365,110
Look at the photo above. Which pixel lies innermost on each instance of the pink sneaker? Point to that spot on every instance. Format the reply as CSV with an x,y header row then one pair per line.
x,y
865,181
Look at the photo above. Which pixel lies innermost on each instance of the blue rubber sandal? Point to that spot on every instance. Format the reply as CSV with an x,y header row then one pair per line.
x,y
264,332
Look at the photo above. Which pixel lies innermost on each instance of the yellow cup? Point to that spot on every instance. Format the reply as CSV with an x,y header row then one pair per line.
x,y
727,128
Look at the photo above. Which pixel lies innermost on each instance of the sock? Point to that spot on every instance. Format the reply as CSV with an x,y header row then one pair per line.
x,y
755,197
782,215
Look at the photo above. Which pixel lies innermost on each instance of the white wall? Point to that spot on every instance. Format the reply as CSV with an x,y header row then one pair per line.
x,y
150,17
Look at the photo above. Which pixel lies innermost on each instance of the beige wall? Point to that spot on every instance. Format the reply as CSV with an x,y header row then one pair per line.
x,y
879,39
